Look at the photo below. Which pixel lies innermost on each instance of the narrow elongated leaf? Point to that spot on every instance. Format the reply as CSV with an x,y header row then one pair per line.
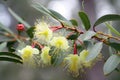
x,y
18,18
2,46
74,22
41,8
112,29
60,18
94,51
87,35
53,14
10,60
111,64
108,17
85,20
115,45
10,55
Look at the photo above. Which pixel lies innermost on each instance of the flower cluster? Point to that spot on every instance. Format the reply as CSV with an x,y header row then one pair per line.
x,y
75,62
50,48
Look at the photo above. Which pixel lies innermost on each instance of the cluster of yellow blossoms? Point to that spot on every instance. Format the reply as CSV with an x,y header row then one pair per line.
x,y
27,54
76,62
44,35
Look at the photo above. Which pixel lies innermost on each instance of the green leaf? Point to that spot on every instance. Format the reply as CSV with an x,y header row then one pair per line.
x,y
111,64
53,14
115,45
60,18
41,8
109,17
57,16
112,29
2,46
74,22
94,51
73,36
30,32
87,35
85,20
88,44
18,18
10,46
10,60
10,54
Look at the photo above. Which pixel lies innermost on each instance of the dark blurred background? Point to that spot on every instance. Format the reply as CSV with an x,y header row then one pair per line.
x,y
69,9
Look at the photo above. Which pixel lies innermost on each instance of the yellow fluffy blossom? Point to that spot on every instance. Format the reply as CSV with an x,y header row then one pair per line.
x,y
27,54
60,42
45,57
83,56
73,64
43,32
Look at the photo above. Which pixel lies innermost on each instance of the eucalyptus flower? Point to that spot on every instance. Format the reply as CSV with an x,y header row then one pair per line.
x,y
73,64
27,54
45,57
42,32
60,42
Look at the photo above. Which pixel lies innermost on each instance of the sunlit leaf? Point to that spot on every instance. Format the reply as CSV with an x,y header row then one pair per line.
x,y
18,18
85,20
95,50
111,64
112,29
10,60
2,46
87,35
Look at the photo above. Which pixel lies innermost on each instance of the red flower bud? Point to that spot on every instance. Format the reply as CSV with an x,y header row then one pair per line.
x,y
20,27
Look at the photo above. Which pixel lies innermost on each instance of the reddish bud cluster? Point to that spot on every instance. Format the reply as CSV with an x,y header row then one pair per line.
x,y
20,27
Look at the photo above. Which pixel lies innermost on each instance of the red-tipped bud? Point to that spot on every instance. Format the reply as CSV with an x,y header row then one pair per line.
x,y
20,27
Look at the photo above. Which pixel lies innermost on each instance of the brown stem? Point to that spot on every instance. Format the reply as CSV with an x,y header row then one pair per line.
x,y
109,36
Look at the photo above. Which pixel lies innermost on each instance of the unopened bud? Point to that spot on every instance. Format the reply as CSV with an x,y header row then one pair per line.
x,y
20,27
